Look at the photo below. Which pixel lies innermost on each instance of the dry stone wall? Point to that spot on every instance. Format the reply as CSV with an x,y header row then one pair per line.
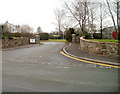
x,y
6,43
101,48
0,44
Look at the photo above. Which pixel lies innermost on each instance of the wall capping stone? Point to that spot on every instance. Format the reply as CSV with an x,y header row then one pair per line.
x,y
99,42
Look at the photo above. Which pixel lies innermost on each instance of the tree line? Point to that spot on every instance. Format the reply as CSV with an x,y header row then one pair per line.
x,y
10,31
87,17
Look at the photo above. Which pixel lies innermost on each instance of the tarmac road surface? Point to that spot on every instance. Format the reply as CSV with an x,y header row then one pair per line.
x,y
43,69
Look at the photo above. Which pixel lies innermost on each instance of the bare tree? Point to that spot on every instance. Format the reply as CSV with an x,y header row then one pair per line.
x,y
91,8
26,29
83,13
102,17
111,13
18,28
39,30
59,16
101,20
118,18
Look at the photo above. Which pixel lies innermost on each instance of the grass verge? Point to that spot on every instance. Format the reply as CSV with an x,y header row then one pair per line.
x,y
54,40
104,40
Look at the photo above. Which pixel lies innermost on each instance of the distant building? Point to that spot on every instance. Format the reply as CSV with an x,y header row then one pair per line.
x,y
10,27
107,32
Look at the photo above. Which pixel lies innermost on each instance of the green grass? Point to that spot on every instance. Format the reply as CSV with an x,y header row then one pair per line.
x,y
15,38
104,40
57,40
55,35
11,37
54,40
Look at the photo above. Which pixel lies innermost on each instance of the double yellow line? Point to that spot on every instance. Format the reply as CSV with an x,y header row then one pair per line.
x,y
91,62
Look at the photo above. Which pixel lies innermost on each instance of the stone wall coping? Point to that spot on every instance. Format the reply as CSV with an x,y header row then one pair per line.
x,y
99,42
101,48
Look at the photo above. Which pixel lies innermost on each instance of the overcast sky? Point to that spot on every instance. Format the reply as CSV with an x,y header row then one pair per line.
x,y
32,12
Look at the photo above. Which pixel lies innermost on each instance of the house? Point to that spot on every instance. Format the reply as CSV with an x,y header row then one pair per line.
x,y
8,27
107,32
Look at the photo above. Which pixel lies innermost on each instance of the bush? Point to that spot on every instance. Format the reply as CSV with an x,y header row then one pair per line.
x,y
54,36
4,37
97,36
87,35
44,36
10,37
69,33
7,36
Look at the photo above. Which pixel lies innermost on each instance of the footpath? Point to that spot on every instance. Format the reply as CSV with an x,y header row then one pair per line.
x,y
73,50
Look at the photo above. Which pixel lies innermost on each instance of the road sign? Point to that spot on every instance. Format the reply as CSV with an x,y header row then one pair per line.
x,y
32,40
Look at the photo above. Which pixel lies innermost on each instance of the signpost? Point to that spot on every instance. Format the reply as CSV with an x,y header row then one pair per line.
x,y
35,39
32,40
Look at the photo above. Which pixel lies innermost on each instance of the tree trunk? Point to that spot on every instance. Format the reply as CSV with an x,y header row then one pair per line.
x,y
101,20
118,19
111,15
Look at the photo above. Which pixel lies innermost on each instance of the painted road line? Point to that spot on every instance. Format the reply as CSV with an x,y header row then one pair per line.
x,y
88,61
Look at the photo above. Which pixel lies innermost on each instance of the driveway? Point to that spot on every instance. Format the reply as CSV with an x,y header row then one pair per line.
x,y
43,69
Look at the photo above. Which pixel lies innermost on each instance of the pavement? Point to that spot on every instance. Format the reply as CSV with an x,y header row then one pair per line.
x,y
73,50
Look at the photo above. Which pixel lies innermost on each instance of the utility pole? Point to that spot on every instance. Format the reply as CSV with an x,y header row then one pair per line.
x,y
118,18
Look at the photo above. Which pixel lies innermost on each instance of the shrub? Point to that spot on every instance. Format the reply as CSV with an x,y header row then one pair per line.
x,y
23,34
44,36
54,36
87,35
10,37
97,36
7,36
69,33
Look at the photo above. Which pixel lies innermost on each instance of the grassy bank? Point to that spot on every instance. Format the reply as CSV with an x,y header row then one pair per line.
x,y
54,40
104,40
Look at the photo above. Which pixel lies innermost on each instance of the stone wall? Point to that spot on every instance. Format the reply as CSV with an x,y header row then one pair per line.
x,y
0,44
75,39
101,48
6,43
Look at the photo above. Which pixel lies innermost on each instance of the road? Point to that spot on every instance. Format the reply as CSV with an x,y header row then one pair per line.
x,y
43,69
